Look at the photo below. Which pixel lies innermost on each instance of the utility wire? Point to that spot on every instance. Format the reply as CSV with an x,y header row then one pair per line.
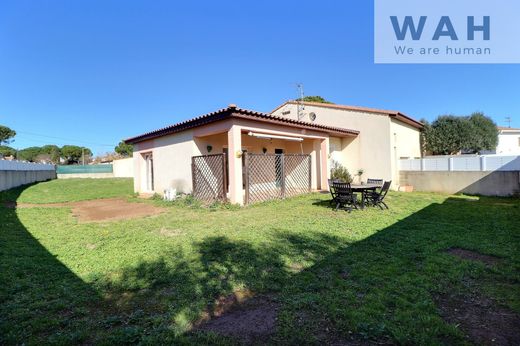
x,y
42,141
64,139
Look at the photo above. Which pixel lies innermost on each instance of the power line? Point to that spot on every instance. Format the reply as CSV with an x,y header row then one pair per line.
x,y
28,139
65,139
32,140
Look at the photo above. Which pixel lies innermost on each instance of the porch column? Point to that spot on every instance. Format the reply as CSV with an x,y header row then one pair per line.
x,y
235,165
324,167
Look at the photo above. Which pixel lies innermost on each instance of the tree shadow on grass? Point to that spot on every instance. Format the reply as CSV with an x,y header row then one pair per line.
x,y
39,296
327,203
379,289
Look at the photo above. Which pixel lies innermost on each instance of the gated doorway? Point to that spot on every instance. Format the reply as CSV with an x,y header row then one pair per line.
x,y
209,177
274,176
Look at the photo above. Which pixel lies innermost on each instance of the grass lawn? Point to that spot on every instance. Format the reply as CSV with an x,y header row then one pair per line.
x,y
368,276
70,190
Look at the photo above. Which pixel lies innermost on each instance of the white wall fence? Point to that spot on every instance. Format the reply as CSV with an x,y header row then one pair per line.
x,y
489,175
6,165
124,168
462,163
16,173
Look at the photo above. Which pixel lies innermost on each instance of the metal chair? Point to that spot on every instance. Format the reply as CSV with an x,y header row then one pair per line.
x,y
377,198
375,181
344,196
370,181
333,192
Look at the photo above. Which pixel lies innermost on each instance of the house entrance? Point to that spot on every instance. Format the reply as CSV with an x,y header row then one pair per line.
x,y
148,159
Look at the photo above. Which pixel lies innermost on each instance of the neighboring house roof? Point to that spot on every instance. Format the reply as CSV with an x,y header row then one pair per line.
x,y
512,129
394,114
233,112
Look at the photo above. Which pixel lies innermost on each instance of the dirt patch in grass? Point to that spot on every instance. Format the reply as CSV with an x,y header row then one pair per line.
x,y
481,319
242,317
99,209
473,256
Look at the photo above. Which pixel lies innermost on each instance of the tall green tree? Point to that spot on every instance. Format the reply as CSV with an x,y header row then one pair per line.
x,y
6,134
449,134
315,98
7,151
485,133
53,151
74,154
424,134
124,149
28,154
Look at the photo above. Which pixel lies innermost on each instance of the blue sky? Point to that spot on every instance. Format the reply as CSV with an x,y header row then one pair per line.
x,y
93,72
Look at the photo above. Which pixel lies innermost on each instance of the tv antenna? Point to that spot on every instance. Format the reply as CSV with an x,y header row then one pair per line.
x,y
508,121
301,106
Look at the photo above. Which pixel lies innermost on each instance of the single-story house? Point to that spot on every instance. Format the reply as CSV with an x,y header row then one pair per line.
x,y
357,137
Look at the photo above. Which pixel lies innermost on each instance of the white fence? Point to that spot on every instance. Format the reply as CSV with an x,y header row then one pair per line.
x,y
6,165
462,163
16,173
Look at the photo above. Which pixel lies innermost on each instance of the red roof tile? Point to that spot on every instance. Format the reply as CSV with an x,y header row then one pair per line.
x,y
234,112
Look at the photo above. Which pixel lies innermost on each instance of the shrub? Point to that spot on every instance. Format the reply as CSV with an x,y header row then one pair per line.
x,y
340,172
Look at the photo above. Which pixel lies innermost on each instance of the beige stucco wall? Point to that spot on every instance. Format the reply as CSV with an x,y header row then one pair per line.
x,y
372,150
123,168
405,143
251,144
473,183
171,162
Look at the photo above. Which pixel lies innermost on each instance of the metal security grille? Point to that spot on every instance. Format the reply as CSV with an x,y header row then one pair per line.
x,y
273,176
209,177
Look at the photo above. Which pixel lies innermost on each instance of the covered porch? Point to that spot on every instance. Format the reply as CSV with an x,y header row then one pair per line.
x,y
240,139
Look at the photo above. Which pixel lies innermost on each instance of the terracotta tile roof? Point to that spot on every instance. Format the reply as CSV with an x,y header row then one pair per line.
x,y
238,113
395,114
504,128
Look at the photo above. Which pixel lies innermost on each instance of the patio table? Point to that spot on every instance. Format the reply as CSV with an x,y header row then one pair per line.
x,y
364,188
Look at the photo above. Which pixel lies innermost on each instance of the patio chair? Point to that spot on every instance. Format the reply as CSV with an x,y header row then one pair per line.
x,y
375,181
332,191
377,198
344,196
371,181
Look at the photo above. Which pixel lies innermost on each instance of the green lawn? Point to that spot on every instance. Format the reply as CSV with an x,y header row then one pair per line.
x,y
69,190
366,276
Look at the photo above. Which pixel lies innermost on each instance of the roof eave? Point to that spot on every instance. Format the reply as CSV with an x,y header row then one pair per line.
x,y
398,115
301,125
234,112
407,120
